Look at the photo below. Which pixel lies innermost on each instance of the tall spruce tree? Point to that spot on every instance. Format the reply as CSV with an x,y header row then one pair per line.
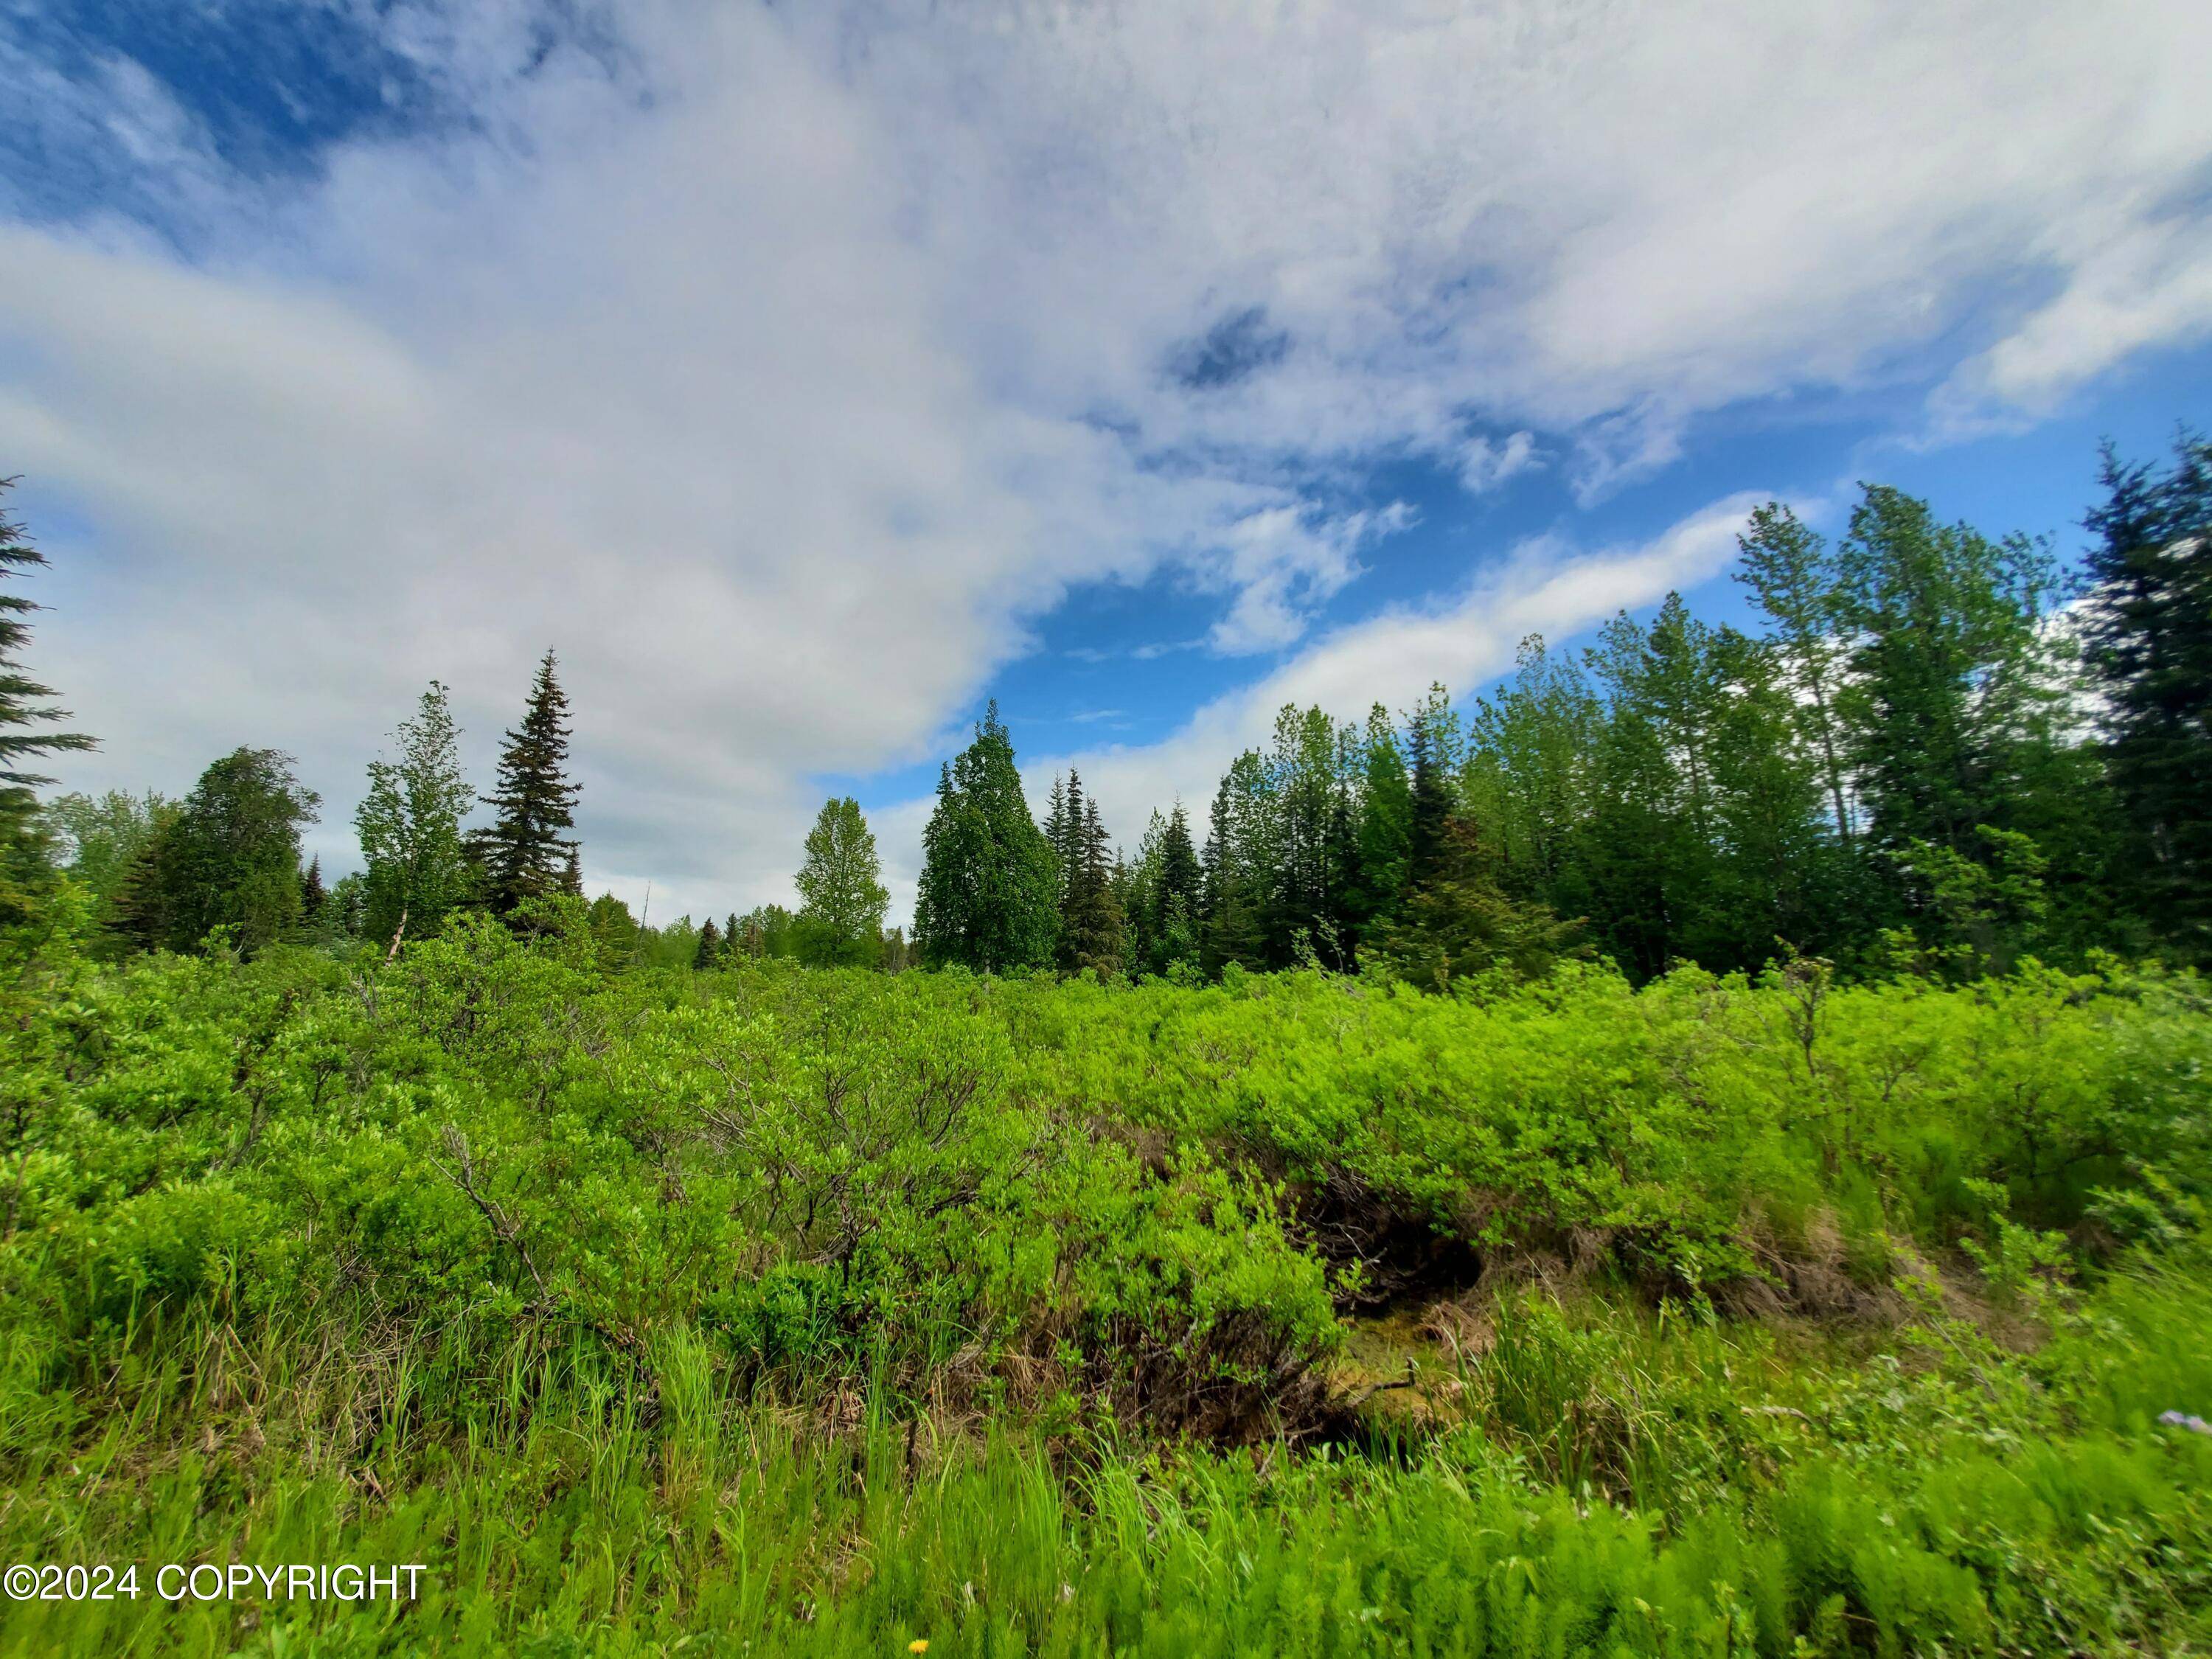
x,y
1056,836
1960,708
1645,866
1064,829
1304,880
1135,884
1430,806
987,897
1090,926
1458,924
1529,774
27,719
1950,672
523,854
1176,896
2149,632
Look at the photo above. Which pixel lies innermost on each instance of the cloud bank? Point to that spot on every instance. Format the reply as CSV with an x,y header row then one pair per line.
x,y
782,367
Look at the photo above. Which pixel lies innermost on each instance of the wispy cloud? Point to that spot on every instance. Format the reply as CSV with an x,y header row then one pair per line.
x,y
1486,462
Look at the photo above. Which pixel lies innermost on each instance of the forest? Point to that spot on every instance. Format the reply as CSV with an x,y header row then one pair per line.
x,y
1703,1150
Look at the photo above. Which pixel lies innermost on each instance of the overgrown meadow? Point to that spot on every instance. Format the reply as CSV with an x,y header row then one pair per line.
x,y
771,1310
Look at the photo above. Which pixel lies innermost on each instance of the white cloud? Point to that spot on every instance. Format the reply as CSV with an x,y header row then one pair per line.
x,y
782,377
2150,285
1282,563
1484,464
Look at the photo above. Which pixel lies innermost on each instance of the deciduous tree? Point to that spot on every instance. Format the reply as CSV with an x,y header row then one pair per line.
x,y
409,824
841,917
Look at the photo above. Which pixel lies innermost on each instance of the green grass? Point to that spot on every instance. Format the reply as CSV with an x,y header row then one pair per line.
x,y
777,1312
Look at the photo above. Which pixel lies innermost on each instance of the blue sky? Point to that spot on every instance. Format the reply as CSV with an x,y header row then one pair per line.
x,y
811,376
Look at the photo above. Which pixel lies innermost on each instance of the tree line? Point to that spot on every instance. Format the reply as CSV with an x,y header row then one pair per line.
x,y
225,862
1938,750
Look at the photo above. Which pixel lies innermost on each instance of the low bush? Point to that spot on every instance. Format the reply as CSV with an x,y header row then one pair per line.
x,y
825,1311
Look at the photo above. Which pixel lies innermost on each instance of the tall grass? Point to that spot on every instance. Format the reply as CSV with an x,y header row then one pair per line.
x,y
1613,1486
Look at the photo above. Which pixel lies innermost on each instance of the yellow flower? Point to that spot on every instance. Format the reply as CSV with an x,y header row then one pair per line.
x,y
920,1644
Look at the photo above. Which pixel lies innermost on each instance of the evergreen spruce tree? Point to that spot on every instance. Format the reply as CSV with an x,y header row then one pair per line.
x,y
615,928
708,953
1951,676
1301,888
988,895
1529,776
24,720
1782,873
1960,711
1136,884
2149,645
1176,896
1056,833
524,854
1641,863
26,733
1429,805
1064,829
1458,924
1090,930
312,894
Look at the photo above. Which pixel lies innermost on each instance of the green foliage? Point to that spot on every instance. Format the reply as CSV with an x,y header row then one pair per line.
x,y
229,860
826,1310
409,824
841,921
1091,916
2149,637
523,856
987,897
1386,821
27,719
1459,926
97,843
25,715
